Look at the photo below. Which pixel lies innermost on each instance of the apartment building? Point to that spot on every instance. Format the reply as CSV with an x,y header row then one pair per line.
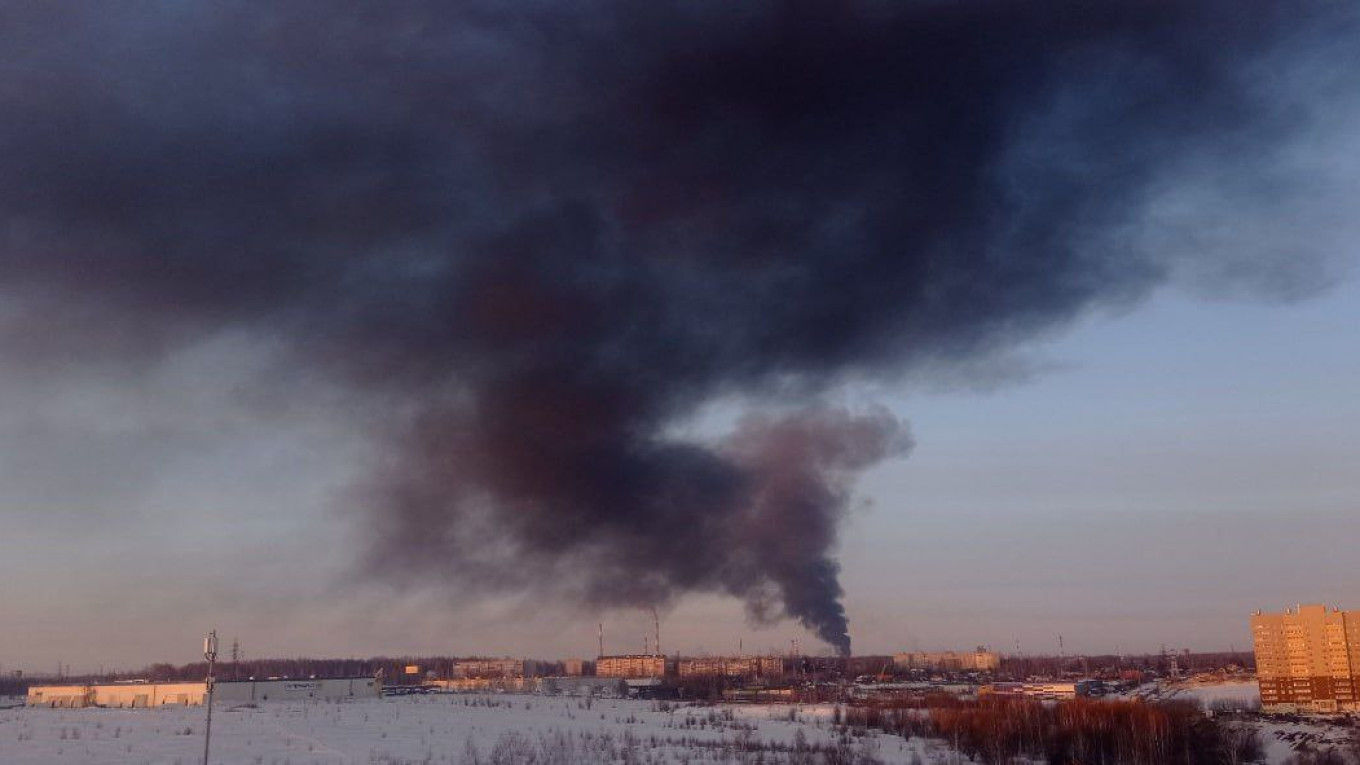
x,y
979,660
632,666
1306,659
732,666
489,668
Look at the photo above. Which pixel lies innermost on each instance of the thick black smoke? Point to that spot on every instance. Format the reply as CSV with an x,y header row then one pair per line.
x,y
540,236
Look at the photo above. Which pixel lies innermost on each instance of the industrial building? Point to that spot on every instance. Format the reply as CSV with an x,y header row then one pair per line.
x,y
1061,691
633,665
132,694
136,694
246,691
978,660
1305,659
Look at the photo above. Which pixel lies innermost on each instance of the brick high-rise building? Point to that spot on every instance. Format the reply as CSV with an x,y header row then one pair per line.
x,y
1307,659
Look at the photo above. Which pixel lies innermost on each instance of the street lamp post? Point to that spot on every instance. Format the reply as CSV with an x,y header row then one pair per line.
x,y
209,653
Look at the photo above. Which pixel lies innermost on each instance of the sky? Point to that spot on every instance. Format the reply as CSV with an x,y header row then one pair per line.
x,y
1150,486
873,327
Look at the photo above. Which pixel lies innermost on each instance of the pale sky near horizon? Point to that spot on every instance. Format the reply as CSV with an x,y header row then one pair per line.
x,y
1165,472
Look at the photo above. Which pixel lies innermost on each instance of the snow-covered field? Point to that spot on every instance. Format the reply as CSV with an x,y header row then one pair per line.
x,y
506,729
1245,693
1281,739
447,729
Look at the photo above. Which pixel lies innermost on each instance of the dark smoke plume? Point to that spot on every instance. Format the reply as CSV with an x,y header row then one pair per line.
x,y
538,237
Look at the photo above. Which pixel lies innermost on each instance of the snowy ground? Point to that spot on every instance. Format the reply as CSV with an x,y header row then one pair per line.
x,y
1281,737
1243,692
443,729
503,729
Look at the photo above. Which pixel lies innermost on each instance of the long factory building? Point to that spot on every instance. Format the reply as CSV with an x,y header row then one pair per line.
x,y
146,694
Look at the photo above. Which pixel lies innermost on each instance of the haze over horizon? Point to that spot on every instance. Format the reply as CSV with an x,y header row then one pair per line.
x,y
438,331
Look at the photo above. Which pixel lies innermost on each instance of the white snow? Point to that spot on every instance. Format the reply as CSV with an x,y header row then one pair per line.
x,y
1244,692
438,729
1281,738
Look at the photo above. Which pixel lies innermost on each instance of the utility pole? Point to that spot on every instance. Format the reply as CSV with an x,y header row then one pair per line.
x,y
209,653
601,653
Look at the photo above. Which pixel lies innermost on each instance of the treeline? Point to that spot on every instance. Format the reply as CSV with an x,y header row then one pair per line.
x,y
1109,665
995,731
